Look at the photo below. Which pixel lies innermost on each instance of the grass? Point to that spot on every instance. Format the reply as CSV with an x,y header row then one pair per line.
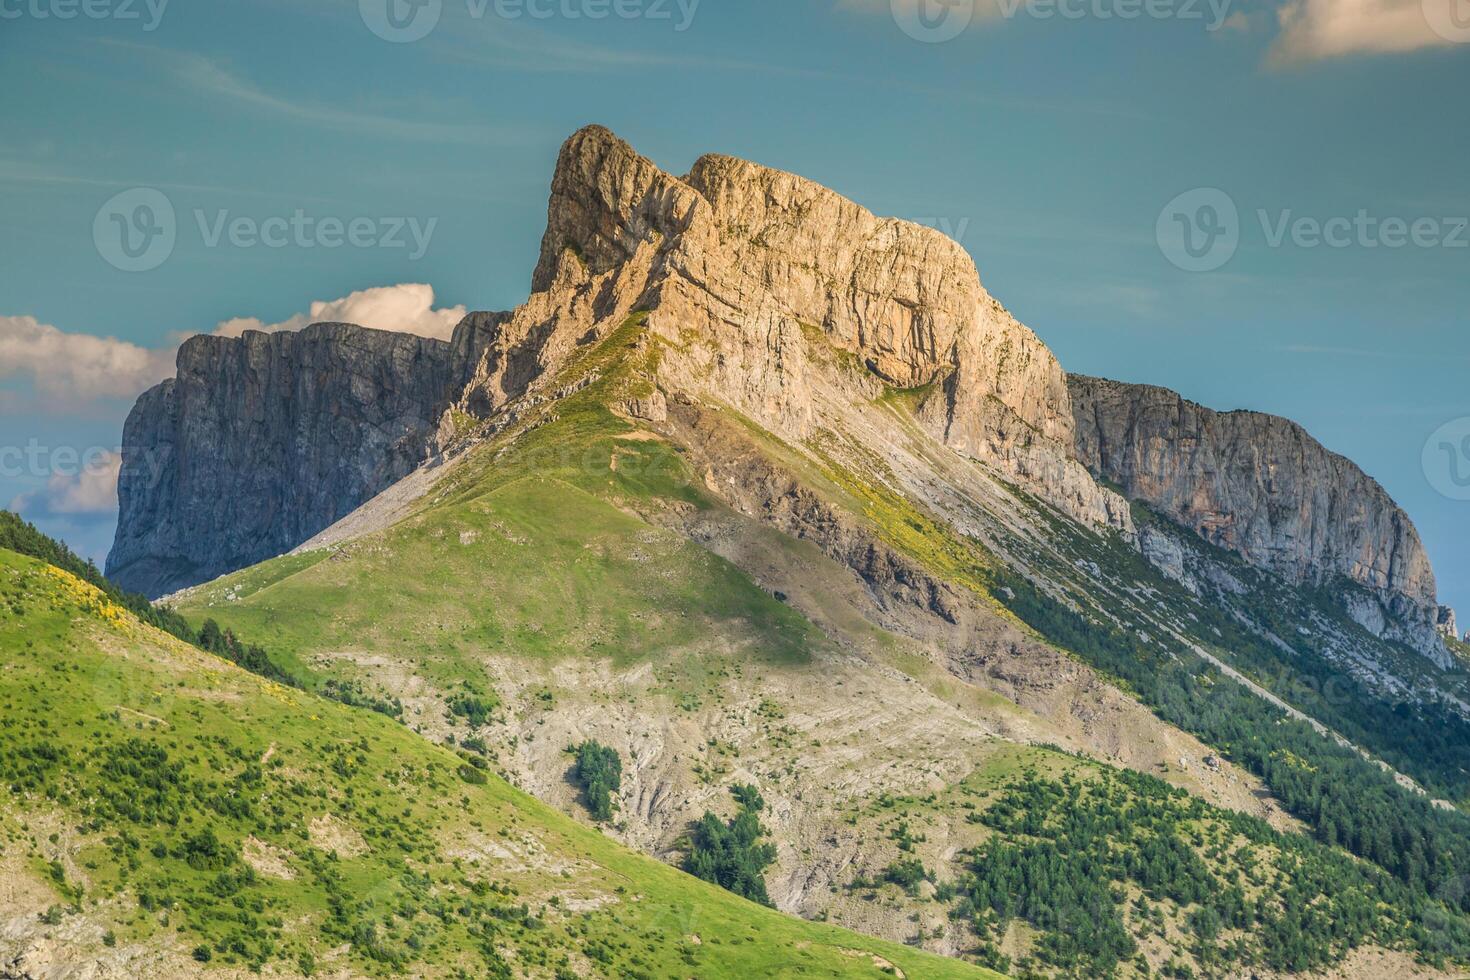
x,y
146,779
536,568
531,552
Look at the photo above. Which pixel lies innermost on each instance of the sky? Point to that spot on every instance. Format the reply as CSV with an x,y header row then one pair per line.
x,y
1259,203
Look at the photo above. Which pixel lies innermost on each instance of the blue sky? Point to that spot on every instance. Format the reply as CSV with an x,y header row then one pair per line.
x,y
1049,144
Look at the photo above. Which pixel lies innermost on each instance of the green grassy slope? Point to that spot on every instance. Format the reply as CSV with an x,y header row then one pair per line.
x,y
187,811
531,548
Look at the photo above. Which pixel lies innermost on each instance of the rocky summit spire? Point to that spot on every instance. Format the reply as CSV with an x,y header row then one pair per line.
x,y
739,267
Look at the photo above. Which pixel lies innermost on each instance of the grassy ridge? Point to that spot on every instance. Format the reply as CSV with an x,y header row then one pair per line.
x,y
530,548
187,805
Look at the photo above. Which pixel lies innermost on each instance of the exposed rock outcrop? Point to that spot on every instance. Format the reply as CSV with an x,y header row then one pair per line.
x,y
741,269
263,440
1260,486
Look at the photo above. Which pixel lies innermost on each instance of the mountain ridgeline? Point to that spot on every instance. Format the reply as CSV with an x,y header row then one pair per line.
x,y
263,441
766,497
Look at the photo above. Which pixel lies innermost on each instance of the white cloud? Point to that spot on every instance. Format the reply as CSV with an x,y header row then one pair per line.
x,y
89,489
71,371
77,366
1313,30
407,308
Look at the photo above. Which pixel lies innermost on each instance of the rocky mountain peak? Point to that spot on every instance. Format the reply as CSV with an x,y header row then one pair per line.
x,y
741,269
264,439
606,199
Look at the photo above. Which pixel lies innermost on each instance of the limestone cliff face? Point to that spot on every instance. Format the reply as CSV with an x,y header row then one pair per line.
x,y
262,441
742,269
1260,486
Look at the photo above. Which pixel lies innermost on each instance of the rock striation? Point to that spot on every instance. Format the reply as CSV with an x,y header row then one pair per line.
x,y
263,440
1262,487
739,269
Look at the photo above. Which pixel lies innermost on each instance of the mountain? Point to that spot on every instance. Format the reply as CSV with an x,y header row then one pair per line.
x,y
760,489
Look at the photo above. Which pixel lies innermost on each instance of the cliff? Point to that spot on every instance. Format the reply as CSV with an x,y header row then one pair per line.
x,y
1262,487
263,440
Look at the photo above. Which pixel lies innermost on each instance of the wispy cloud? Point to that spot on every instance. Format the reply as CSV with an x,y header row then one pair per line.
x,y
199,74
25,172
512,46
1332,351
979,9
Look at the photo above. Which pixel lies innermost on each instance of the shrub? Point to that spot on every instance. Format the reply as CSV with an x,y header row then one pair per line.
x,y
732,854
599,772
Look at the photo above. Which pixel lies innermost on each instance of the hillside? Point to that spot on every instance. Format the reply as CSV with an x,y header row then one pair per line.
x,y
168,814
576,571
